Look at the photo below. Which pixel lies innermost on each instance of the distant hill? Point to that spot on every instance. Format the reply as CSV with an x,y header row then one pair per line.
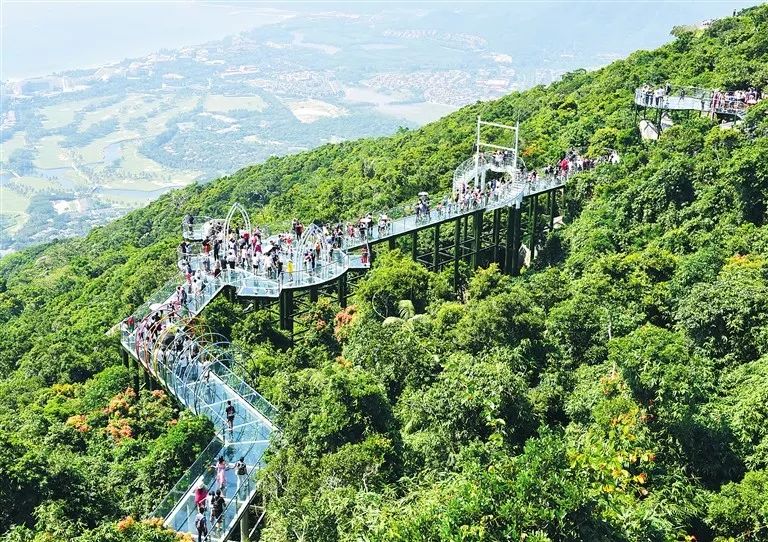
x,y
615,391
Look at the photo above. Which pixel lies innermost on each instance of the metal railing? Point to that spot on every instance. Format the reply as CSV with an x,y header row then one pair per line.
x,y
693,98
476,166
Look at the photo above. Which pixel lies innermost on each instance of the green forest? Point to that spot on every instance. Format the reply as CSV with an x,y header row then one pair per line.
x,y
617,390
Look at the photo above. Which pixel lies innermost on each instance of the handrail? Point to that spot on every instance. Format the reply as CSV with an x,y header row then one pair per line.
x,y
187,480
707,100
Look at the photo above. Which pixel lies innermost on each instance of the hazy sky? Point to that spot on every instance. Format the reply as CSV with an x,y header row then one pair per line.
x,y
42,37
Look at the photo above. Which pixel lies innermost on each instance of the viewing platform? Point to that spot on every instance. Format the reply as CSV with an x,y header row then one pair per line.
x,y
679,98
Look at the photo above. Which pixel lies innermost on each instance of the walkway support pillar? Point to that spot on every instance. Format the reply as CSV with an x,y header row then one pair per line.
x,y
134,370
392,243
496,233
436,248
313,294
466,227
552,201
414,245
534,212
477,231
342,290
564,206
147,380
517,239
512,240
125,357
244,527
456,253
509,240
286,310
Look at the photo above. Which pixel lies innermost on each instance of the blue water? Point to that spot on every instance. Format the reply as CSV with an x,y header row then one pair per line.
x,y
39,38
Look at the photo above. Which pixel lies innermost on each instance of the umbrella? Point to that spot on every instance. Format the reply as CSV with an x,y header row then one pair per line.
x,y
423,193
366,220
155,306
268,249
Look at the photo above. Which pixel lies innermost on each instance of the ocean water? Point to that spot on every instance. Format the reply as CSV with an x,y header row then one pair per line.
x,y
40,37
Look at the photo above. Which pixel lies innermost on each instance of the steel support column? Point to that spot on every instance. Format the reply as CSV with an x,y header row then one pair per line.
x,y
245,535
477,232
286,310
313,294
134,370
342,290
466,232
509,265
456,253
517,220
436,248
534,212
392,243
414,245
496,233
552,199
145,378
564,206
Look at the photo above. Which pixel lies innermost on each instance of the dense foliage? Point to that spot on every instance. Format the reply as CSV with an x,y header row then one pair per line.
x,y
615,391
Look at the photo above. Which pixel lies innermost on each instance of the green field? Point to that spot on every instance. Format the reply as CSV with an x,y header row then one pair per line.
x,y
16,142
37,183
155,125
135,105
50,154
94,151
60,115
12,202
219,102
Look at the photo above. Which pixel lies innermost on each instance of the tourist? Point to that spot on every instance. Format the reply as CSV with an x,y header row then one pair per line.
x,y
241,469
201,493
201,524
221,473
230,412
217,508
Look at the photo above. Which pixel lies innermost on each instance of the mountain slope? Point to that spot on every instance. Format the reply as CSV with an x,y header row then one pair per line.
x,y
615,393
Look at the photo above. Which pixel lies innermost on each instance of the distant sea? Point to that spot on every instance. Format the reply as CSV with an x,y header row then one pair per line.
x,y
41,38
44,37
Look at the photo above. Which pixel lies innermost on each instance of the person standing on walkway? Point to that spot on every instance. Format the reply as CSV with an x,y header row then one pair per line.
x,y
241,469
201,524
230,412
217,509
221,474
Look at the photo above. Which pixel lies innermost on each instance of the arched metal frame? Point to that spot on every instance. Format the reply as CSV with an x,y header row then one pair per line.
x,y
207,348
309,237
236,208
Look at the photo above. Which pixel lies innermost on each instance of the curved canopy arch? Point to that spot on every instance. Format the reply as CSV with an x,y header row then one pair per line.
x,y
236,208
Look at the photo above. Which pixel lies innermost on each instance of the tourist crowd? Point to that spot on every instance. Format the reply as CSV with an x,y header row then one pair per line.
x,y
715,101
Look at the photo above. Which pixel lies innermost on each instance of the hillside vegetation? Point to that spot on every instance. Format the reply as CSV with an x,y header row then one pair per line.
x,y
617,390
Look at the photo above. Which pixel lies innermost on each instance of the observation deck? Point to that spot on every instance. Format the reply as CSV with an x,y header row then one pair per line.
x,y
694,99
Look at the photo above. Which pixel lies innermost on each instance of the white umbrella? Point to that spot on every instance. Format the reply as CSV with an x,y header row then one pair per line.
x,y
423,193
155,306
